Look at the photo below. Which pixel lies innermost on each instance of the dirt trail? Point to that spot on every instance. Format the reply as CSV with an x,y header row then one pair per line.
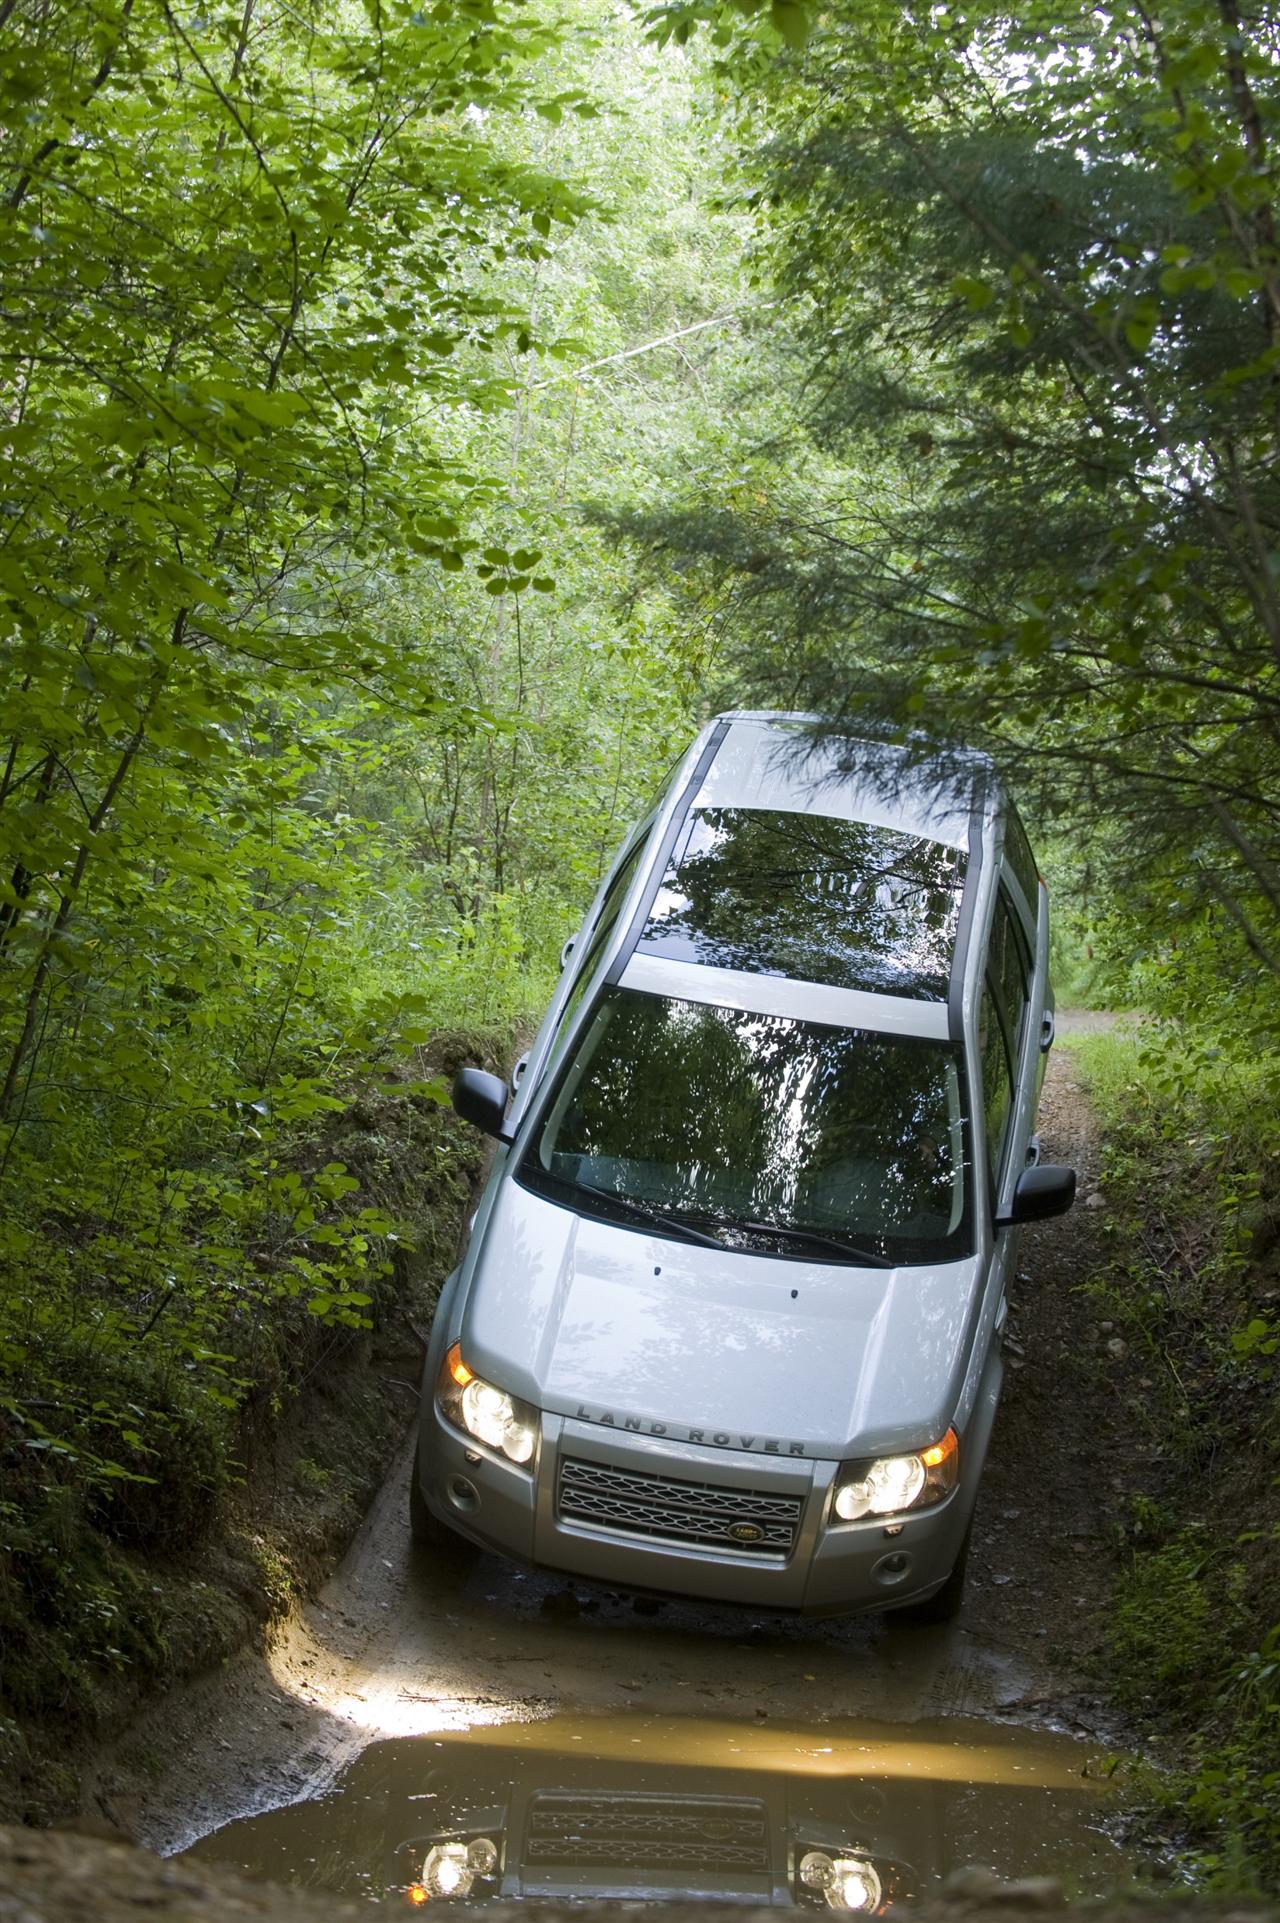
x,y
392,1648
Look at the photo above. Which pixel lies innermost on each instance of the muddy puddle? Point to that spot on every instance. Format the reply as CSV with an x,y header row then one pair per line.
x,y
851,1815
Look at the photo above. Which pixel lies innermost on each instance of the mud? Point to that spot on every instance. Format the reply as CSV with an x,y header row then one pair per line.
x,y
393,1649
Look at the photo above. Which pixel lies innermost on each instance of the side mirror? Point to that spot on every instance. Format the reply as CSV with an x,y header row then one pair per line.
x,y
1045,1190
481,1098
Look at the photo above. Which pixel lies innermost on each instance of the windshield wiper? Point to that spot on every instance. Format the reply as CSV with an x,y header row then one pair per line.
x,y
683,1231
682,1228
640,1211
819,1241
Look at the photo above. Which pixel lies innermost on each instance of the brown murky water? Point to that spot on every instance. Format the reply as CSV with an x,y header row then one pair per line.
x,y
849,1815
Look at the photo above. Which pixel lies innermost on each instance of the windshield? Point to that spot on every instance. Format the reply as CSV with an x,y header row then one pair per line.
x,y
757,1131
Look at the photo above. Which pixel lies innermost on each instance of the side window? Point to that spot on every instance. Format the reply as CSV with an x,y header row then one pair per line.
x,y
609,912
997,1080
1018,854
1009,969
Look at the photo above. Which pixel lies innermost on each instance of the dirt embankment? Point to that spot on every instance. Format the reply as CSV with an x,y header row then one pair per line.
x,y
313,1438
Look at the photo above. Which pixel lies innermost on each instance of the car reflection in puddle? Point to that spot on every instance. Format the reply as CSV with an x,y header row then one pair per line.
x,y
852,1817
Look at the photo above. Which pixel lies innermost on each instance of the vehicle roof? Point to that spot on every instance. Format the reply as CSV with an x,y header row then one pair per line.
x,y
774,760
793,872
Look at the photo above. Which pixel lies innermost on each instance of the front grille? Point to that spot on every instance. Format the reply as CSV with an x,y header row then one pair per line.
x,y
639,1504
646,1832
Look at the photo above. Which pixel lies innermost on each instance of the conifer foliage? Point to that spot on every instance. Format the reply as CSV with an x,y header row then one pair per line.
x,y
1031,261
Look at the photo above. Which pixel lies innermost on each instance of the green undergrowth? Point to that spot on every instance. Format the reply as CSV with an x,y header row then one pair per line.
x,y
1191,1179
1079,963
205,1366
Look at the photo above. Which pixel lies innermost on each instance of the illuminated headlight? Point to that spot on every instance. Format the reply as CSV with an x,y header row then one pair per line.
x,y
450,1869
502,1422
847,1882
893,1483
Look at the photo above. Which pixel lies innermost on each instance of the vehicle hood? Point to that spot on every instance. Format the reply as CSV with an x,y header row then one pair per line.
x,y
616,1325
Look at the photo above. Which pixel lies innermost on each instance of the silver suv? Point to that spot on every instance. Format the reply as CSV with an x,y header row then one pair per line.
x,y
729,1321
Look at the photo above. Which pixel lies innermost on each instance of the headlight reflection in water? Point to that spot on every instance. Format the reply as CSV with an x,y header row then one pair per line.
x,y
847,1882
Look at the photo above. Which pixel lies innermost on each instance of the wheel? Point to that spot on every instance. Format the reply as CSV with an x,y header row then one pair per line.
x,y
944,1604
448,1550
423,1526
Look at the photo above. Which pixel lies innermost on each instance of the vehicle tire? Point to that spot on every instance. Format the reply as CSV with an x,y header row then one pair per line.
x,y
944,1604
447,1549
422,1524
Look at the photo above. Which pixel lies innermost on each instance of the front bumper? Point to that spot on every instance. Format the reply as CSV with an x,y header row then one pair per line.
x,y
854,1566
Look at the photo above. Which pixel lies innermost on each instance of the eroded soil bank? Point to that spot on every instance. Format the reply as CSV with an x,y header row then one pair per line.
x,y
393,1649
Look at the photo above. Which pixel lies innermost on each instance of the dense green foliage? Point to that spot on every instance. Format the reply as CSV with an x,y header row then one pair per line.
x,y
321,709
218,437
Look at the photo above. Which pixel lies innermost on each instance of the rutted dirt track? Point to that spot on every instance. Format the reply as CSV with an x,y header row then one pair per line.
x,y
394,1648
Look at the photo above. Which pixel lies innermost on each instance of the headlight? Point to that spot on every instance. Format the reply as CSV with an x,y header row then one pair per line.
x,y
450,1869
847,1882
500,1421
892,1483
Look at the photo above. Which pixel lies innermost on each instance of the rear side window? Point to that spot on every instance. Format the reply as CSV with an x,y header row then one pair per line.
x,y
997,1080
1009,965
1018,854
610,909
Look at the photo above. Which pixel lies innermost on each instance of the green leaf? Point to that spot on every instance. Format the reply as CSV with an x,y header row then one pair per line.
x,y
976,294
791,20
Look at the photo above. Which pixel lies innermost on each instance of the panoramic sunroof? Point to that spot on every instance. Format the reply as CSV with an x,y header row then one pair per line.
x,y
842,903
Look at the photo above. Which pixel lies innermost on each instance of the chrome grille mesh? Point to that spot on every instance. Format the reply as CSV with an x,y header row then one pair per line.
x,y
635,1503
647,1832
